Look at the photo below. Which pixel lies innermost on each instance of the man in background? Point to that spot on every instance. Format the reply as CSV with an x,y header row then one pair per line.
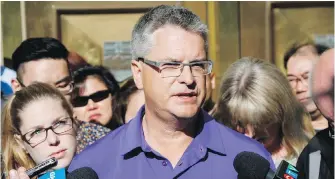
x,y
298,62
317,159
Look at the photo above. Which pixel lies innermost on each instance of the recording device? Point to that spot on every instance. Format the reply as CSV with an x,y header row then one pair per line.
x,y
80,173
55,174
38,169
287,171
250,165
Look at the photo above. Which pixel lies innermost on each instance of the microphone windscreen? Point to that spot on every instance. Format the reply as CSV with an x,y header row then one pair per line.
x,y
250,165
83,173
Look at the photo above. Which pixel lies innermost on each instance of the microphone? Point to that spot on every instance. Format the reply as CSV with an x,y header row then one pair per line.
x,y
41,170
80,173
38,169
250,165
83,173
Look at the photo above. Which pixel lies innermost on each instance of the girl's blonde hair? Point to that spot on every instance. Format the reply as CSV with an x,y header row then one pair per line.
x,y
254,92
13,154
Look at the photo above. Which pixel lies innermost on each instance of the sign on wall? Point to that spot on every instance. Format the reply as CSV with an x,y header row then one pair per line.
x,y
117,58
327,40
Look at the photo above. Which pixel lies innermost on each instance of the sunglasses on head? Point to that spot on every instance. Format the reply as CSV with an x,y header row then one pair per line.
x,y
81,101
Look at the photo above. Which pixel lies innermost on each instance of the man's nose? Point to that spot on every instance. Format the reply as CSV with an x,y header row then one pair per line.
x,y
186,75
302,85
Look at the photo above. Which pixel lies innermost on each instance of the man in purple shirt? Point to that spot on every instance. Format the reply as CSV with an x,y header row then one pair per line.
x,y
171,136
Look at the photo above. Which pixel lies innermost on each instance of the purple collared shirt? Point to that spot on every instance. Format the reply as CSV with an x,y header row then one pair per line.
x,y
124,154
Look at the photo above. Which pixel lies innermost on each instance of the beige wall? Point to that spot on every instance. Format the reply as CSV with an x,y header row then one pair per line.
x,y
236,29
11,27
293,25
41,16
252,29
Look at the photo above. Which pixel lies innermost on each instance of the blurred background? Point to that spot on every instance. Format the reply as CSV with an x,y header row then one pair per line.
x,y
100,31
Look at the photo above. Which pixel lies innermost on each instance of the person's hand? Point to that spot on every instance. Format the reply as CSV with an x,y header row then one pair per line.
x,y
18,174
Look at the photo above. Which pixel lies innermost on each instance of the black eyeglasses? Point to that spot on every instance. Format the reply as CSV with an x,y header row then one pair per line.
x,y
174,69
81,101
39,135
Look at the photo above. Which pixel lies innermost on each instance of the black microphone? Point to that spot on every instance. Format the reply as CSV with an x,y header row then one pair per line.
x,y
250,165
83,173
80,173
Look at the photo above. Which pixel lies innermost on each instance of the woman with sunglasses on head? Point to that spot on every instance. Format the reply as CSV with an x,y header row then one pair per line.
x,y
38,124
95,88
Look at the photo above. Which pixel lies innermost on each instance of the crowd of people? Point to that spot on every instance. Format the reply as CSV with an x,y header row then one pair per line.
x,y
163,122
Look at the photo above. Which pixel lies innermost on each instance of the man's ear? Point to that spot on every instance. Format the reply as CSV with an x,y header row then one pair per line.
x,y
15,85
212,78
20,142
136,69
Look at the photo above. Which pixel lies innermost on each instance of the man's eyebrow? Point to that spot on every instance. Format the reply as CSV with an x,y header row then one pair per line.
x,y
200,59
290,75
306,73
175,60
170,60
65,79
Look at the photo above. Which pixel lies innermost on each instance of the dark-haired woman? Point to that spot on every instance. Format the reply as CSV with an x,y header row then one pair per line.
x,y
93,97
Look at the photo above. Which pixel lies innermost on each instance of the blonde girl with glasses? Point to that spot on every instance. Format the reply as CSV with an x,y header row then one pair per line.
x,y
38,124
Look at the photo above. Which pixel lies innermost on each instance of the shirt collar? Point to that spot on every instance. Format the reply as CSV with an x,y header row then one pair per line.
x,y
209,135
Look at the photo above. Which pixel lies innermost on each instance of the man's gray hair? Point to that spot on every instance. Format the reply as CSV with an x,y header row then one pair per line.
x,y
158,17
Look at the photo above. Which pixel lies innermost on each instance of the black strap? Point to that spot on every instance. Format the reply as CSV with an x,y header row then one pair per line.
x,y
326,145
323,142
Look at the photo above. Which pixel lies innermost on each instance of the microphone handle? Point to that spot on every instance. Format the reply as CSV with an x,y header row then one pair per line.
x,y
41,167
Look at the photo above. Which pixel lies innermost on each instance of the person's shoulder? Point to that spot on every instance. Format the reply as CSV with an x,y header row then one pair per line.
x,y
232,139
322,134
88,133
314,144
235,142
104,149
303,159
108,140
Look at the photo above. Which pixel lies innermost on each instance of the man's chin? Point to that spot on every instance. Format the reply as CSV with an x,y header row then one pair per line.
x,y
185,111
